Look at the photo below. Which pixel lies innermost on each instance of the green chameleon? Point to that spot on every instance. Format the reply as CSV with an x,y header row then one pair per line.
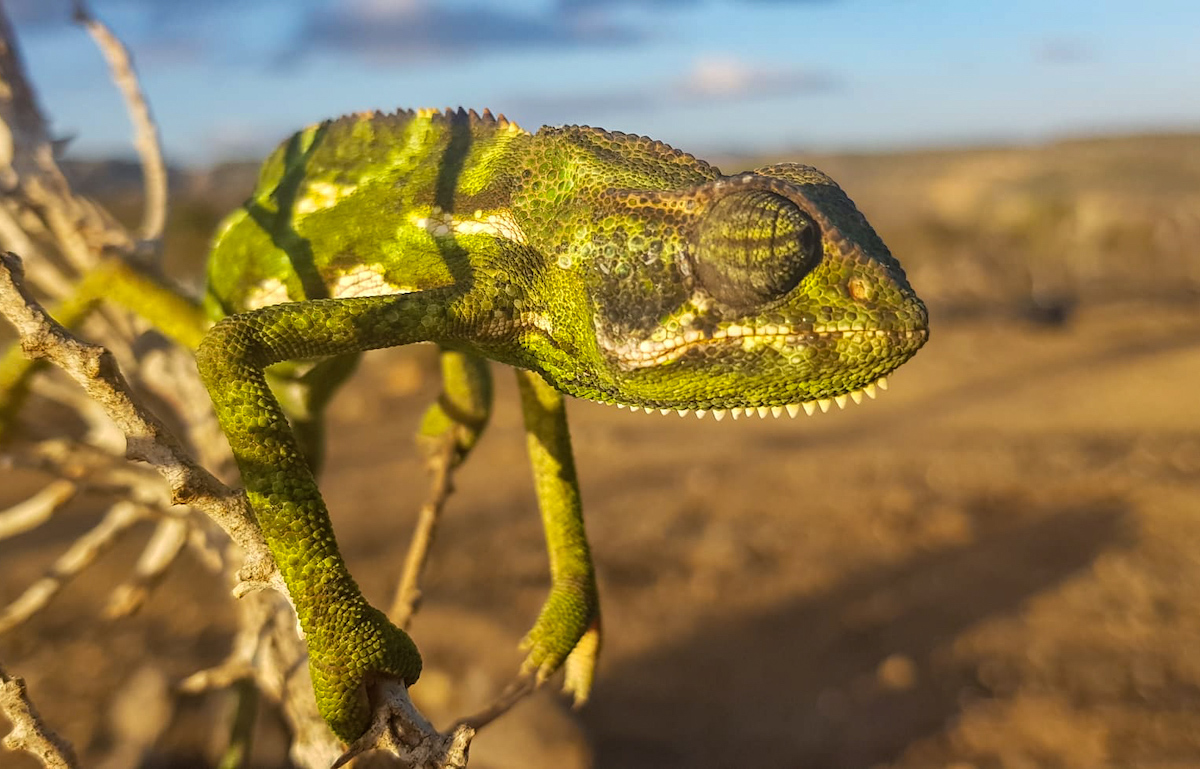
x,y
601,265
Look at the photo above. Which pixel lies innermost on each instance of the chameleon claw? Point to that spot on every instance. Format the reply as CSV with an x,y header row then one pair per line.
x,y
580,667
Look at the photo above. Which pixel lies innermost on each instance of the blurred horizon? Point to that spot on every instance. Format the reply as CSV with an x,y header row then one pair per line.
x,y
228,80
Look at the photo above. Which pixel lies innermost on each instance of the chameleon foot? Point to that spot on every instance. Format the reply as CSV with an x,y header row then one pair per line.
x,y
567,632
354,653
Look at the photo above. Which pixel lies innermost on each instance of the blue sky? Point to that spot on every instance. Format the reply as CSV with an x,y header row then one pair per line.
x,y
230,78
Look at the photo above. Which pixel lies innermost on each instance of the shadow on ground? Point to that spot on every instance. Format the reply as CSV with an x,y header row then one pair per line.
x,y
847,678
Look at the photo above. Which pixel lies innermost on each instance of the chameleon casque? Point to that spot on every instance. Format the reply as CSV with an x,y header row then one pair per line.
x,y
605,266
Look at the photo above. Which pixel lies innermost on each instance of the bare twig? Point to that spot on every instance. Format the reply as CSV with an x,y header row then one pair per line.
x,y
36,510
239,664
512,694
27,164
92,470
146,138
139,711
408,593
100,432
13,237
209,546
29,733
160,552
119,519
25,126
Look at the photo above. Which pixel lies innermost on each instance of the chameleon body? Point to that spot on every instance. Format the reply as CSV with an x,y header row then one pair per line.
x,y
601,265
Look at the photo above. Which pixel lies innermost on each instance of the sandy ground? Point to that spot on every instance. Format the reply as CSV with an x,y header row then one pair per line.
x,y
993,565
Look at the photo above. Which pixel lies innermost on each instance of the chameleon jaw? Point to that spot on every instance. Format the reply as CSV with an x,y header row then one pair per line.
x,y
792,410
647,353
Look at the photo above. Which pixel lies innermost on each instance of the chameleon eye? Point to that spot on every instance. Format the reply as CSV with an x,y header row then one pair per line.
x,y
753,247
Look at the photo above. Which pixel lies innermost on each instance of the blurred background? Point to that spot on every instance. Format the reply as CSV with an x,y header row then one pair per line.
x,y
994,565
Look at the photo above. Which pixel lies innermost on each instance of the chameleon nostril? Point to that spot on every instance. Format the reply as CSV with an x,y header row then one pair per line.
x,y
860,289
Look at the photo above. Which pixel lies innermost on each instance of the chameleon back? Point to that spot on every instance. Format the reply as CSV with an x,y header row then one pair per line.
x,y
357,206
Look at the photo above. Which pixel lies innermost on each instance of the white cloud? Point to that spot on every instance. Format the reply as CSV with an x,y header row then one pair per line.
x,y
727,77
384,10
709,80
719,76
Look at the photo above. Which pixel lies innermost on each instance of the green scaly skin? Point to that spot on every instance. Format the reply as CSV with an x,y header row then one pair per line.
x,y
605,266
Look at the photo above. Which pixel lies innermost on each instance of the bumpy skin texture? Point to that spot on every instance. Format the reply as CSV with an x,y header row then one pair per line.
x,y
602,265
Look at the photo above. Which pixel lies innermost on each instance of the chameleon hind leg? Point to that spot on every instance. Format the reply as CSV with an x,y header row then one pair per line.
x,y
567,631
113,280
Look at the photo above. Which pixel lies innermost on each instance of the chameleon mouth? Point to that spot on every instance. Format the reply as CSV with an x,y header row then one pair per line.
x,y
792,410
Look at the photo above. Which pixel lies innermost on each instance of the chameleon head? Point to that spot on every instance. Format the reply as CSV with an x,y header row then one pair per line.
x,y
767,289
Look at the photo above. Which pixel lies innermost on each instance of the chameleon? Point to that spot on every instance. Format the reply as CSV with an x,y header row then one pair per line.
x,y
601,265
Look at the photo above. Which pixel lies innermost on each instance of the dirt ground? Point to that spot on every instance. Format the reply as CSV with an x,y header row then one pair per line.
x,y
995,565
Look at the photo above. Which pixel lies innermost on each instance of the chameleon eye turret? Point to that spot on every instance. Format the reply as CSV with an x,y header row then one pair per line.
x,y
753,247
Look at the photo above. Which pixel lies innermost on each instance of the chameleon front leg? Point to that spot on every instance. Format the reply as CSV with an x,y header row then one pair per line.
x,y
567,630
349,641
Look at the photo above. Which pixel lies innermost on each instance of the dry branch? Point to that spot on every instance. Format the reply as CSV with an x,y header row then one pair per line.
x,y
94,369
408,593
160,552
36,510
146,141
29,733
82,553
398,726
